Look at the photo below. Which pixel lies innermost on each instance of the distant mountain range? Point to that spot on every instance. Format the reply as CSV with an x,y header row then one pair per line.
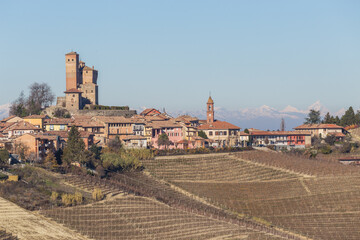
x,y
264,117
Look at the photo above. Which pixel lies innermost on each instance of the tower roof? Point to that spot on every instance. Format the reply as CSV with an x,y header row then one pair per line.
x,y
72,53
73,90
210,100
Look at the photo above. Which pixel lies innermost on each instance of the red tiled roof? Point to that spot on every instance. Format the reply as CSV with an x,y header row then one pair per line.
x,y
276,133
8,118
318,126
36,117
148,110
65,134
73,90
21,126
218,125
117,119
338,134
164,124
62,121
71,53
135,137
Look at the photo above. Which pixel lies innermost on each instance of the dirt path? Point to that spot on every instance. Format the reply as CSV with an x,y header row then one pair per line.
x,y
30,226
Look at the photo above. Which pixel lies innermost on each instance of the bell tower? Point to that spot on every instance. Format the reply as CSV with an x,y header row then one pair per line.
x,y
210,110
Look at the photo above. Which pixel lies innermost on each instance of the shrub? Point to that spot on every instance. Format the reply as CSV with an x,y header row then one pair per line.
x,y
97,194
54,196
326,149
4,156
346,148
78,198
68,199
330,139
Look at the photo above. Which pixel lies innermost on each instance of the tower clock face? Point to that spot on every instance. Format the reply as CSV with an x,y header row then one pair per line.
x,y
209,114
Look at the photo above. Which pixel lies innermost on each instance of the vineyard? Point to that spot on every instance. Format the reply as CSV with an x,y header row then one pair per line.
x,y
314,198
134,217
26,225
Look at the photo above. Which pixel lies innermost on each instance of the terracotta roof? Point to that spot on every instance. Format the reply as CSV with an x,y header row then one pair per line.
x,y
135,137
117,119
217,125
244,134
72,53
164,124
62,121
338,134
5,125
279,133
36,117
159,117
8,118
148,110
88,68
21,126
65,134
318,126
210,101
41,136
73,90
91,123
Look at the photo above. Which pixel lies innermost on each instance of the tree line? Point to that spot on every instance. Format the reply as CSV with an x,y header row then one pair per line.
x,y
40,97
349,118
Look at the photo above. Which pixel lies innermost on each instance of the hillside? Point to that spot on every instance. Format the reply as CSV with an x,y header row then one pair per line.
x,y
313,198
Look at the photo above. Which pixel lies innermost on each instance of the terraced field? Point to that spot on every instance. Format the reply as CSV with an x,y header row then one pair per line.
x,y
134,217
213,169
313,198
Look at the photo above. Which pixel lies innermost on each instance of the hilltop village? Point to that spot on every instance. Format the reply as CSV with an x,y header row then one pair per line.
x,y
98,124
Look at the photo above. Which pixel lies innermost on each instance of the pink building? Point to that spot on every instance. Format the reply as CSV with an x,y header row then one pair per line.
x,y
173,130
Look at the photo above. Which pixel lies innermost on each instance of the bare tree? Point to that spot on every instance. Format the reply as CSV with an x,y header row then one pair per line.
x,y
40,97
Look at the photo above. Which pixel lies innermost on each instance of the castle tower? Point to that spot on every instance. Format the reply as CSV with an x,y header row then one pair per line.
x,y
210,110
89,85
72,70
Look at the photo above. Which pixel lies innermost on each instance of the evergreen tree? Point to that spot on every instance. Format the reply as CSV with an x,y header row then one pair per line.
x,y
348,118
202,134
313,117
337,120
327,118
163,140
75,147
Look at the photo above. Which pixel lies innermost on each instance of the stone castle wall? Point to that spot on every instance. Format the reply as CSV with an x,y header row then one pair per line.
x,y
87,112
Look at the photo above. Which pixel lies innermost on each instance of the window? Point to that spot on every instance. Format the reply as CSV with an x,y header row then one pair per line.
x,y
73,95
210,133
62,127
225,132
68,60
72,59
51,127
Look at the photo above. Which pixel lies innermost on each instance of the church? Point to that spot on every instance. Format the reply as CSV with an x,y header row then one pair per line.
x,y
223,133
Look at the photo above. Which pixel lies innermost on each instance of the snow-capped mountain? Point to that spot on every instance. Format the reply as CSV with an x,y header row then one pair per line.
x,y
263,117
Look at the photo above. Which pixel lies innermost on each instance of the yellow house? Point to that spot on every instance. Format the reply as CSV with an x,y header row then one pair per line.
x,y
36,120
57,124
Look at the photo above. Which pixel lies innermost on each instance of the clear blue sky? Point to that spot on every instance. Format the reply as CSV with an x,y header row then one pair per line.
x,y
172,53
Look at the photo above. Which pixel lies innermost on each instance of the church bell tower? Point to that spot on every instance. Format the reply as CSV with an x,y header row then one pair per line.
x,y
210,110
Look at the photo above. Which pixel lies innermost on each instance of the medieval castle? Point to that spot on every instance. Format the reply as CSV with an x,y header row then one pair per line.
x,y
81,84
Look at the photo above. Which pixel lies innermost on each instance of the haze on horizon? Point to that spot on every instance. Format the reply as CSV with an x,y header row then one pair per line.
x,y
171,54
